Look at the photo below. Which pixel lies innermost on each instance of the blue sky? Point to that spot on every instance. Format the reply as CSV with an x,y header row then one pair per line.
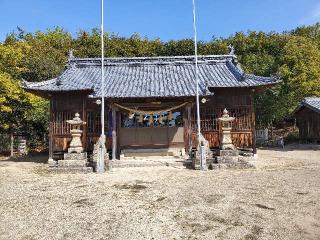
x,y
166,19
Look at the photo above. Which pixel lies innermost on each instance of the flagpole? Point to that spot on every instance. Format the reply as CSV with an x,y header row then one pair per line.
x,y
102,71
100,164
197,83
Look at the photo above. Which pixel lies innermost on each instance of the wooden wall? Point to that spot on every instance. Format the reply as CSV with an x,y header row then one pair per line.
x,y
239,102
308,122
62,108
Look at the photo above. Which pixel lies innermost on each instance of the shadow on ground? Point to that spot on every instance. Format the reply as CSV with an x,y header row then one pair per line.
x,y
294,147
34,157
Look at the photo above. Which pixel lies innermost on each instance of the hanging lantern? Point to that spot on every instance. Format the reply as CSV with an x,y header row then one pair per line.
x,y
140,120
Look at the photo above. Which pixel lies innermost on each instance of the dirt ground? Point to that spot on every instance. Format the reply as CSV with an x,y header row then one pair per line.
x,y
280,199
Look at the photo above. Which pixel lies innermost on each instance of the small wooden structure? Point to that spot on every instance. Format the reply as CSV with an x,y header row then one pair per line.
x,y
150,102
308,119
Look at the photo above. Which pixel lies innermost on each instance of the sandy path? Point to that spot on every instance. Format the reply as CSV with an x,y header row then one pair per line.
x,y
278,200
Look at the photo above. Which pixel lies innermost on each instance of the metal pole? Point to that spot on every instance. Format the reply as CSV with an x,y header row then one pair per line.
x,y
102,71
100,164
197,81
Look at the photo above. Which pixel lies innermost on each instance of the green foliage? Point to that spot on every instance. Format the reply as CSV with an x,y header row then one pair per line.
x,y
47,55
292,137
12,102
21,111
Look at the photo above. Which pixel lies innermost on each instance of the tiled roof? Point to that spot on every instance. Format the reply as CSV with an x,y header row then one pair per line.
x,y
151,76
312,102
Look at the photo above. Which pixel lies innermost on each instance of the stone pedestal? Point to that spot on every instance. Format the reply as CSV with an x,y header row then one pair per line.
x,y
226,141
227,156
75,144
72,163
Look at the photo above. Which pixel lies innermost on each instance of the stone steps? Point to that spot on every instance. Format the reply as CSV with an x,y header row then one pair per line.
x,y
152,152
72,163
150,163
153,158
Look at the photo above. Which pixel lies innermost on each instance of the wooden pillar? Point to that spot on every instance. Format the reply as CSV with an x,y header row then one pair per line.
x,y
11,143
51,129
253,124
189,130
85,127
114,133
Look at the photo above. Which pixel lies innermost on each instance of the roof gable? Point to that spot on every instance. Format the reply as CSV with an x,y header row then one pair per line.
x,y
312,102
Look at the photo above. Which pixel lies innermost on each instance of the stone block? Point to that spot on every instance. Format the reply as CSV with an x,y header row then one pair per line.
x,y
196,163
227,159
228,152
52,163
72,163
75,156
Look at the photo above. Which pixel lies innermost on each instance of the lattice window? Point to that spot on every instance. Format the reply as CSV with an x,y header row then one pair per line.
x,y
94,122
59,122
209,119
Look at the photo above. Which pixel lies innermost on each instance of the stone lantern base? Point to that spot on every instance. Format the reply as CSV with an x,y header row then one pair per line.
x,y
72,163
227,156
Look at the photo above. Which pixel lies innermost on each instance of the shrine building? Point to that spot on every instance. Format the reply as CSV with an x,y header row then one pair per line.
x,y
150,103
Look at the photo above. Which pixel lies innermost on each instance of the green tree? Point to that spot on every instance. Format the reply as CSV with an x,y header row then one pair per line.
x,y
47,55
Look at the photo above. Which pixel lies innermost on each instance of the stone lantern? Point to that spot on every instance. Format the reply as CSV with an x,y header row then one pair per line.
x,y
226,122
75,160
76,144
228,155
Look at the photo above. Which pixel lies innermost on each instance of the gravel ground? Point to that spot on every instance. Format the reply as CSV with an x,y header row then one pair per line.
x,y
280,199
